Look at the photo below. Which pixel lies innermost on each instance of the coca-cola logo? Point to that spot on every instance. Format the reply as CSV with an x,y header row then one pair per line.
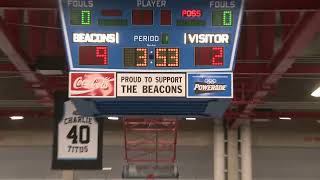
x,y
92,84
97,83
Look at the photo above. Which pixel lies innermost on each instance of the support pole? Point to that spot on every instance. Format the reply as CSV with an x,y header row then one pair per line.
x,y
246,151
68,175
218,150
233,159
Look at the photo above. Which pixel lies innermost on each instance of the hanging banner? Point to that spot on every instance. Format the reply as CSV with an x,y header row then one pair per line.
x,y
77,141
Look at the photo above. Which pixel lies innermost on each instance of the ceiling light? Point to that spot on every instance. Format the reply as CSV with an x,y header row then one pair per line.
x,y
191,119
316,93
14,118
261,120
285,118
113,118
107,168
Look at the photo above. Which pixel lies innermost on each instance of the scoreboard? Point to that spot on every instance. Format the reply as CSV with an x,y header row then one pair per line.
x,y
151,35
173,49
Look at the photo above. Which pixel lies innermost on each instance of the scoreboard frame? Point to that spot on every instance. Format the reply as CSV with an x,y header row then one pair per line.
x,y
77,68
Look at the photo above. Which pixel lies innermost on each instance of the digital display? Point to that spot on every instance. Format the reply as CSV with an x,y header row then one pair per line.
x,y
80,17
93,55
191,13
209,56
111,12
165,17
167,57
113,22
135,57
191,23
222,18
142,17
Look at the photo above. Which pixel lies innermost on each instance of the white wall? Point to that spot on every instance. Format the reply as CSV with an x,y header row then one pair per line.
x,y
286,134
27,154
276,163
280,152
286,151
34,162
26,163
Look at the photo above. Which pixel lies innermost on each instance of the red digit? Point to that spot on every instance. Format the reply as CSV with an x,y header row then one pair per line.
x,y
101,52
217,56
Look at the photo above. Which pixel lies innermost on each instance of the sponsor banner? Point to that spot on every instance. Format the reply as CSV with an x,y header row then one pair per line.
x,y
210,85
93,85
151,84
77,141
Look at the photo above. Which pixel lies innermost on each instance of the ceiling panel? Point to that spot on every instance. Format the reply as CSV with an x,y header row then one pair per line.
x,y
14,87
295,89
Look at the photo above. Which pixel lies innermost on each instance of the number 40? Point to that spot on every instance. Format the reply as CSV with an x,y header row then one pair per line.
x,y
81,134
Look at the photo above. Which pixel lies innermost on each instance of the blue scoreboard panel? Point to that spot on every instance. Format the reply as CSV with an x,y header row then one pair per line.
x,y
149,47
151,35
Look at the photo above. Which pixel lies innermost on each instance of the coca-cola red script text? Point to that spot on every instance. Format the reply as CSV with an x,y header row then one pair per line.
x,y
93,85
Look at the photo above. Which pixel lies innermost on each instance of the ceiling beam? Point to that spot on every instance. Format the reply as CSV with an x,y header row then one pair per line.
x,y
273,5
18,59
276,115
7,68
36,4
298,39
252,69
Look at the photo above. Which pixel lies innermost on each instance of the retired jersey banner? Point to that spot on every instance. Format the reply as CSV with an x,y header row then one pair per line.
x,y
92,85
210,85
77,141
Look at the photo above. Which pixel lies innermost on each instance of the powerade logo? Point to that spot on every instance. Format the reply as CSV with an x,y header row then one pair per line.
x,y
208,86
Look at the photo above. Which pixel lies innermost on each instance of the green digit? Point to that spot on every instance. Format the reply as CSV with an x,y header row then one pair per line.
x,y
227,18
85,17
